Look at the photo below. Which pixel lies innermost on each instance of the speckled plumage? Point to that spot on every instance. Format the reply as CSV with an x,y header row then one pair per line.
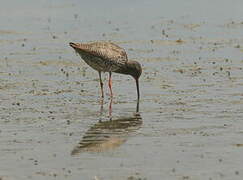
x,y
102,56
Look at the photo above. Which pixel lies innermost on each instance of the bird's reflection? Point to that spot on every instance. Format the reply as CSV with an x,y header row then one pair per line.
x,y
110,134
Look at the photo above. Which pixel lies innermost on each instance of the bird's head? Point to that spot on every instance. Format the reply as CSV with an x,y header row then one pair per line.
x,y
134,69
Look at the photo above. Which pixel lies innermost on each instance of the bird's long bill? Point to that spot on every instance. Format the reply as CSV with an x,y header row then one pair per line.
x,y
137,84
137,107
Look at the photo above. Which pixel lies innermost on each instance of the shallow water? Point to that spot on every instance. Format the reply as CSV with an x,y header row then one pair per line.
x,y
54,125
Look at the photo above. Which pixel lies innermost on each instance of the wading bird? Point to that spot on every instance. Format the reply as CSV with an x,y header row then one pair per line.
x,y
108,57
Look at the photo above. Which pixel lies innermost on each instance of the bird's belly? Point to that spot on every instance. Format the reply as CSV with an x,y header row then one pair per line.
x,y
99,64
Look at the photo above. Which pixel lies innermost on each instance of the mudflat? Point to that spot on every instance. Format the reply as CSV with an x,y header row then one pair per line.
x,y
53,124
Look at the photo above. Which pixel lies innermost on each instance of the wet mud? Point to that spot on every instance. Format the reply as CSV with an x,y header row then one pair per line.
x,y
188,125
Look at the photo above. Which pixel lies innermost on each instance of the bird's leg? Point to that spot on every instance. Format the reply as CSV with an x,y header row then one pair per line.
x,y
110,85
101,85
110,109
101,109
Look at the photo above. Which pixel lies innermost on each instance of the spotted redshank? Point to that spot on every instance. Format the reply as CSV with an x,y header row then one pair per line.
x,y
108,57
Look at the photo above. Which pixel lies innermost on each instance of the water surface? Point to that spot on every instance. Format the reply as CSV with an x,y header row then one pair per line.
x,y
53,124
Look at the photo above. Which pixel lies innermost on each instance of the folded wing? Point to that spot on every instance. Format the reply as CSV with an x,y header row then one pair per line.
x,y
105,50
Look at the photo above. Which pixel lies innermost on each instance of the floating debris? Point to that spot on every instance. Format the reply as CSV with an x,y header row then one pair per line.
x,y
239,145
237,46
75,16
179,41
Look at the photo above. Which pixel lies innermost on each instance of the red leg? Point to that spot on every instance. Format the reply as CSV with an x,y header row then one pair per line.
x,y
101,108
110,85
110,109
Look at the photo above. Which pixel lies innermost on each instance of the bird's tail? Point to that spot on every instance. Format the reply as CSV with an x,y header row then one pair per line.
x,y
74,45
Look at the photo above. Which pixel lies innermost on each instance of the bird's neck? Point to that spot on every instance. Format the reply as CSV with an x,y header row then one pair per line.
x,y
125,69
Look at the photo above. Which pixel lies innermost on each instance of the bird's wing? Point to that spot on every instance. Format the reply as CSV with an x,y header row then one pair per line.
x,y
105,50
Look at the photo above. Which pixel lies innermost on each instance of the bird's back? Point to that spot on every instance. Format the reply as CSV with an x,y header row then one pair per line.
x,y
102,56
